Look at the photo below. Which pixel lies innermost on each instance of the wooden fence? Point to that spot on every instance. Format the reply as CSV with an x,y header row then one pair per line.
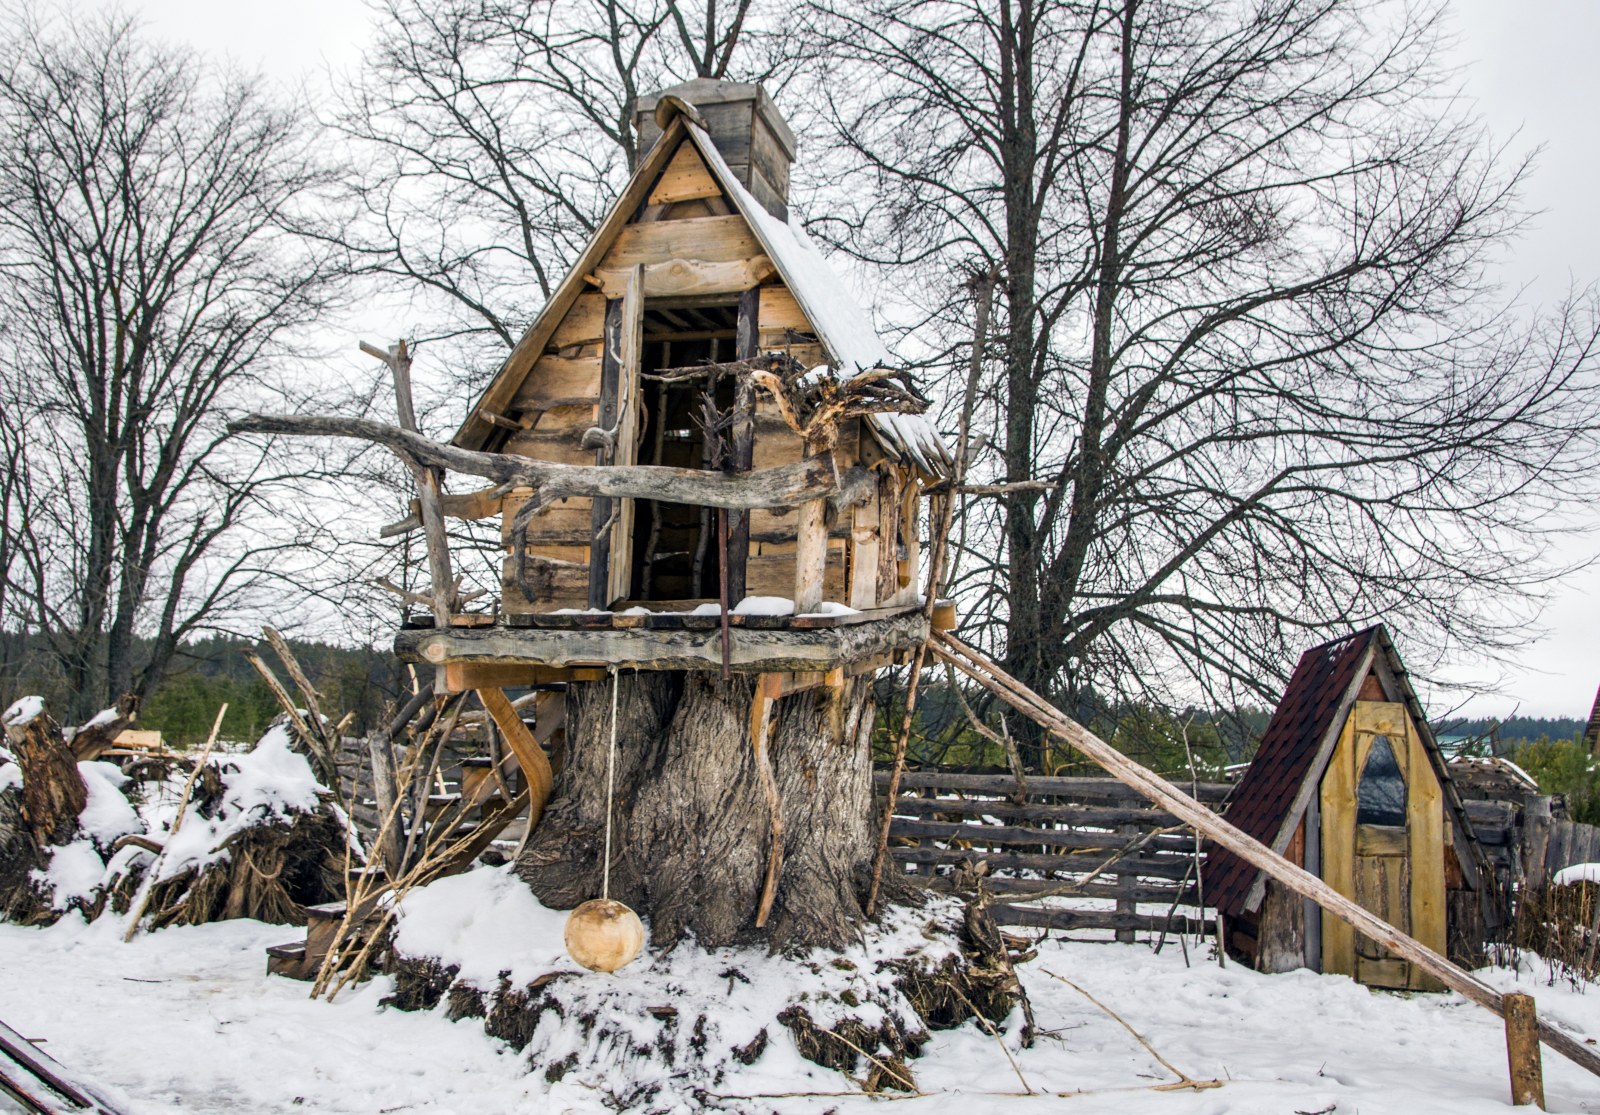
x,y
1097,848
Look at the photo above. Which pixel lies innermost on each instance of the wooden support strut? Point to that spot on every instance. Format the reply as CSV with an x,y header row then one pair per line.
x,y
531,757
769,687
1152,786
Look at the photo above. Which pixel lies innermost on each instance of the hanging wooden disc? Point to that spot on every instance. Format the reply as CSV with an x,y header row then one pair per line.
x,y
604,935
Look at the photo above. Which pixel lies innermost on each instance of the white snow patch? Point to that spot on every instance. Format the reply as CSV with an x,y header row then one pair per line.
x,y
23,711
107,814
764,606
10,776
196,997
104,716
488,922
74,872
579,612
833,608
712,609
636,611
1578,873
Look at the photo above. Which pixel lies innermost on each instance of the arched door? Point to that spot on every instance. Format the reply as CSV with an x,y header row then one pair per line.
x,y
1382,843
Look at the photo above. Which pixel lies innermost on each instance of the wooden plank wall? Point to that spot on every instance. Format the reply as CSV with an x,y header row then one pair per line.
x,y
673,237
1063,830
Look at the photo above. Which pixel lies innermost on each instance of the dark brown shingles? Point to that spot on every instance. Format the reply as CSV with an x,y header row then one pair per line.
x,y
1282,762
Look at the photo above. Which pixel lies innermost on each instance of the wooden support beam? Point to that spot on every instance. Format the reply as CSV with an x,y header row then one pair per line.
x,y
769,689
811,556
675,278
530,756
1522,1050
459,677
753,650
746,347
1151,785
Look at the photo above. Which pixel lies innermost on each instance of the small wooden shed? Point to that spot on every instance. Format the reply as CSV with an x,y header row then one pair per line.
x,y
1350,784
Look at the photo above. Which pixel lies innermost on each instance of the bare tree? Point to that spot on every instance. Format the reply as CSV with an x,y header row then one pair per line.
x,y
490,136
1250,385
148,282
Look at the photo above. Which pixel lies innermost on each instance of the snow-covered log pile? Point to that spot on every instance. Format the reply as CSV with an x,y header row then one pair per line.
x,y
259,839
479,945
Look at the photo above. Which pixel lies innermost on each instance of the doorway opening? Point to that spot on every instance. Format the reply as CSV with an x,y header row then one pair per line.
x,y
673,547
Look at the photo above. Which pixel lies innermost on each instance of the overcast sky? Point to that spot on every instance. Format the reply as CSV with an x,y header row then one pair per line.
x,y
1528,66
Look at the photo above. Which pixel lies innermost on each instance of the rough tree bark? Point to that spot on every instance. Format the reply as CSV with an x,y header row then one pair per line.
x,y
692,825
53,792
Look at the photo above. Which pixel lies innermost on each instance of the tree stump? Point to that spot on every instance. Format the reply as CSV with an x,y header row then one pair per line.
x,y
692,821
53,792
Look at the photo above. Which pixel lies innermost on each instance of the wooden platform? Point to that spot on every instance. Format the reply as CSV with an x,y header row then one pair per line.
x,y
596,640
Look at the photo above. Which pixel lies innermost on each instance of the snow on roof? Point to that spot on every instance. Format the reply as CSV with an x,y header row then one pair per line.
x,y
1578,873
841,324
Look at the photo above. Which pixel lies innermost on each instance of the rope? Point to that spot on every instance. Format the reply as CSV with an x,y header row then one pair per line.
x,y
611,781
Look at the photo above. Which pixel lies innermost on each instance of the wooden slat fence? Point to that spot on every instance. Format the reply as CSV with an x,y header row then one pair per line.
x,y
1064,835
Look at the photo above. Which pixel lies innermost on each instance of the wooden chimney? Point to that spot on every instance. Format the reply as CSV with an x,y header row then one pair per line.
x,y
746,128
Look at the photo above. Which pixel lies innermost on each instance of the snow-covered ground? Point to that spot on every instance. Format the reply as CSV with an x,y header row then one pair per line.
x,y
186,1019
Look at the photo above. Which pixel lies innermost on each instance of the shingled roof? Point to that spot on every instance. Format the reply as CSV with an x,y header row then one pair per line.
x,y
1295,749
1313,707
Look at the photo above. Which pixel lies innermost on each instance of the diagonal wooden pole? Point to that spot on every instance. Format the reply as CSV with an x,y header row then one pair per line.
x,y
1157,789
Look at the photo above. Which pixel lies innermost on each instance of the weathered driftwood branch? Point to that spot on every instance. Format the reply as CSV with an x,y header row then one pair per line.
x,y
780,487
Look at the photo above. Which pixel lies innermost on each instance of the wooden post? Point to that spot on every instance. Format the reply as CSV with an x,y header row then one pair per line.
x,y
1535,841
811,555
1127,883
442,591
385,792
746,346
1522,1050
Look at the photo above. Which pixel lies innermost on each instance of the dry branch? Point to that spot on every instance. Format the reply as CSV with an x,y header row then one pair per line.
x,y
780,487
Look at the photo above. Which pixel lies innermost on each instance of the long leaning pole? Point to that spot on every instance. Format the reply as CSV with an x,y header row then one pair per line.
x,y
1157,789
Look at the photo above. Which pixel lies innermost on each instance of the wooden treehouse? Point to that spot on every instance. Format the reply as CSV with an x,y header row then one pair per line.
x,y
684,338
1350,784
708,473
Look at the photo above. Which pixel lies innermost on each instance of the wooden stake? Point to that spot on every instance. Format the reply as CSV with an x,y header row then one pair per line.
x,y
429,506
1522,1050
1185,808
183,807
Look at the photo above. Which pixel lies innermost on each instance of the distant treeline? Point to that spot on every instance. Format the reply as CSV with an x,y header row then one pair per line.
x,y
211,671
1517,729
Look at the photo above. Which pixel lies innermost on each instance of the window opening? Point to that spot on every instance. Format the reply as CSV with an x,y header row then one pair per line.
x,y
1381,797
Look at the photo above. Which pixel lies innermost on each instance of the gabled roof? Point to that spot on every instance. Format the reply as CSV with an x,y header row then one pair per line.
x,y
842,326
1276,789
